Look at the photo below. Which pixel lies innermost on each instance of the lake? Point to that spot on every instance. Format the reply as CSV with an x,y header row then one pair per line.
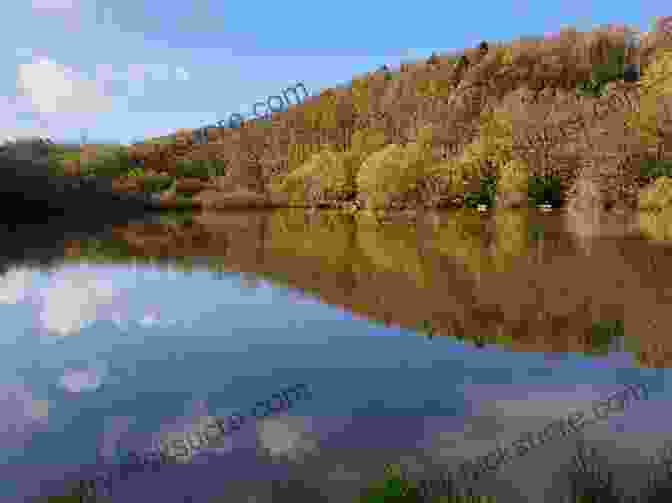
x,y
426,340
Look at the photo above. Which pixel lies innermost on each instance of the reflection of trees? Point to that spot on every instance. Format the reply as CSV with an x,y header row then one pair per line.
x,y
393,249
460,238
404,274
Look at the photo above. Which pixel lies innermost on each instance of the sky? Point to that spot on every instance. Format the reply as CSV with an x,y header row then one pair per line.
x,y
121,71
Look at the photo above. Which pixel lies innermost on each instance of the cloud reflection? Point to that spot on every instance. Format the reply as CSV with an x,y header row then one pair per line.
x,y
73,301
14,286
19,409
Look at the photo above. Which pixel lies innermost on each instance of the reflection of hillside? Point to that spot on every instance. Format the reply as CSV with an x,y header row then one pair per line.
x,y
512,276
42,244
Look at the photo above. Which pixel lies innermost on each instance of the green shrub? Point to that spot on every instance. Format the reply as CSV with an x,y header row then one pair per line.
x,y
65,156
393,489
54,167
114,163
542,189
157,183
603,73
135,173
651,168
602,333
486,195
216,167
204,169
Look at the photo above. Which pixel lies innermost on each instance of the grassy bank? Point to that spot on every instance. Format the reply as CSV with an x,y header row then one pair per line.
x,y
590,480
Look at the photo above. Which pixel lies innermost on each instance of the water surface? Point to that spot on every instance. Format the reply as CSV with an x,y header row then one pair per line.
x,y
425,340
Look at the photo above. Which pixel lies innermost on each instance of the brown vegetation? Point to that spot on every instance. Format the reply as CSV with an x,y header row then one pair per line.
x,y
486,279
452,119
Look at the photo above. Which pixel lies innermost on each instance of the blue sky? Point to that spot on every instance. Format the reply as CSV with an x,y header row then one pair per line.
x,y
126,70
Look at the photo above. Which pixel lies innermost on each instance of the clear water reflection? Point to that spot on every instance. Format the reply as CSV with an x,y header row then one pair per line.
x,y
427,341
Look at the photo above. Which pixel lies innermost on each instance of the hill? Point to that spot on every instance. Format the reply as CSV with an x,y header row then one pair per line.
x,y
547,118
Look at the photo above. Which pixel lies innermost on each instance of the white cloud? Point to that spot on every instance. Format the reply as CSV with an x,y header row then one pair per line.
x,y
64,99
55,88
14,286
74,301
285,436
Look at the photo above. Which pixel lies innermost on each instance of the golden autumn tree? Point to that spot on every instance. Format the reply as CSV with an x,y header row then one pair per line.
x,y
653,120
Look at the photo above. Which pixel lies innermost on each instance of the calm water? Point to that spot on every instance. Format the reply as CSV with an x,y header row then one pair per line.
x,y
424,342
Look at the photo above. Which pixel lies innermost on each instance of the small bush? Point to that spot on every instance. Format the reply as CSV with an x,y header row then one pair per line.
x,y
486,194
66,156
657,195
544,189
135,173
602,333
604,73
112,163
394,488
203,169
651,168
216,167
157,183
